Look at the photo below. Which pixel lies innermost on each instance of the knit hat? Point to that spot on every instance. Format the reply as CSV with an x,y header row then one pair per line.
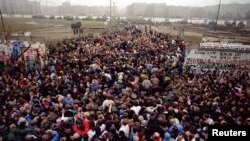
x,y
156,134
144,123
2,126
167,136
121,113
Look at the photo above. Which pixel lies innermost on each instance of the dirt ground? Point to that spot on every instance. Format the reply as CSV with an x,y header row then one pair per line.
x,y
53,30
192,35
60,32
48,29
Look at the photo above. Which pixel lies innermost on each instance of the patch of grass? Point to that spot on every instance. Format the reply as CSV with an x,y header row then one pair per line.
x,y
20,24
28,24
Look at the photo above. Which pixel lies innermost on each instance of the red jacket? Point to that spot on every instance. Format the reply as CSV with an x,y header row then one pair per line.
x,y
157,139
84,132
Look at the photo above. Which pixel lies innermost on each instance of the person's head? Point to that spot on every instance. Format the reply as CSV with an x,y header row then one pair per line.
x,y
248,121
69,96
63,139
3,128
197,137
181,136
157,137
122,134
45,137
136,138
167,136
75,137
86,114
30,137
124,122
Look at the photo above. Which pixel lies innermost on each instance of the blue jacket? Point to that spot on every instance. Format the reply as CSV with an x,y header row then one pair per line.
x,y
54,136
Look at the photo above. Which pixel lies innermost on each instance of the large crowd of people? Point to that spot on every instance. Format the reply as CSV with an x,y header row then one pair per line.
x,y
123,85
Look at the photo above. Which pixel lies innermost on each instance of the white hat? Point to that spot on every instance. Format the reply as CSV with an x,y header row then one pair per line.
x,y
144,123
176,110
22,119
156,134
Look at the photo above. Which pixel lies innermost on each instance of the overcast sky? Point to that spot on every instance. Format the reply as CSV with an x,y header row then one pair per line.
x,y
124,3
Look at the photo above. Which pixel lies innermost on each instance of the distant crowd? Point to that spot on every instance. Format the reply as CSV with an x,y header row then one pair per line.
x,y
122,85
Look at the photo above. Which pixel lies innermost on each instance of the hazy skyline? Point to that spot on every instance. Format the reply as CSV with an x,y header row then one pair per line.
x,y
124,3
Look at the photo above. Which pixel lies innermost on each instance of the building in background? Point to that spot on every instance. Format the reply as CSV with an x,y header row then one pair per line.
x,y
65,8
20,7
146,10
159,9
227,11
50,10
77,10
136,10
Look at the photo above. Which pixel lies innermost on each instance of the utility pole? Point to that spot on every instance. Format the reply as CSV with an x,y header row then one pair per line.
x,y
46,5
110,9
89,10
21,7
153,13
4,32
114,12
38,7
215,28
